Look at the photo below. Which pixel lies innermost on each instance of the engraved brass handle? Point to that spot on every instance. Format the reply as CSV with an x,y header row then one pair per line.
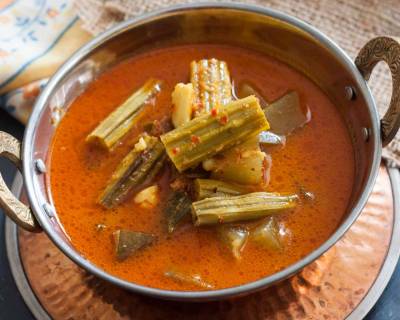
x,y
22,215
384,49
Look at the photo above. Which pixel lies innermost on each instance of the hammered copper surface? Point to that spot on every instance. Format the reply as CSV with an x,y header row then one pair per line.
x,y
329,288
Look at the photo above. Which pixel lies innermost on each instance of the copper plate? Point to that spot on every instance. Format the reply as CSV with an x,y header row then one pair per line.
x,y
333,287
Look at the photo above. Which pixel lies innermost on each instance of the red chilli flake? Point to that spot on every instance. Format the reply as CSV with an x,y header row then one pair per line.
x,y
195,139
175,151
214,112
224,119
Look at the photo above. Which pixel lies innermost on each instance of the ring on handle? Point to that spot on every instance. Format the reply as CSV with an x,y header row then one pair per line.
x,y
22,215
384,49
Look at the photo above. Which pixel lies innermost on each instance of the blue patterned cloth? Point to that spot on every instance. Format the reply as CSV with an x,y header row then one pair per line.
x,y
31,48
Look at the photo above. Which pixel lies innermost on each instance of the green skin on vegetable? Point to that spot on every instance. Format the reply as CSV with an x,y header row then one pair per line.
x,y
284,114
177,208
129,242
266,234
122,119
234,238
256,205
135,172
207,135
208,188
211,83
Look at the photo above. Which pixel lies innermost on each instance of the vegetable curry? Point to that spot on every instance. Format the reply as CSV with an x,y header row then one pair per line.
x,y
200,167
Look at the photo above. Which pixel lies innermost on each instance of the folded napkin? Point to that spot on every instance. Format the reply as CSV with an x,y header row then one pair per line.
x,y
54,25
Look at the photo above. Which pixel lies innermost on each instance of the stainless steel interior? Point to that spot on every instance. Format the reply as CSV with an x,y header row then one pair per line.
x,y
272,33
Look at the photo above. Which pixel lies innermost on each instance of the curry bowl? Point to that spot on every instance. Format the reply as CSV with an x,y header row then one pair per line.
x,y
265,31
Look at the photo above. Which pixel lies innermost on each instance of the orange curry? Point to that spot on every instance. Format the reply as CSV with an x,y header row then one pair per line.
x,y
317,157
